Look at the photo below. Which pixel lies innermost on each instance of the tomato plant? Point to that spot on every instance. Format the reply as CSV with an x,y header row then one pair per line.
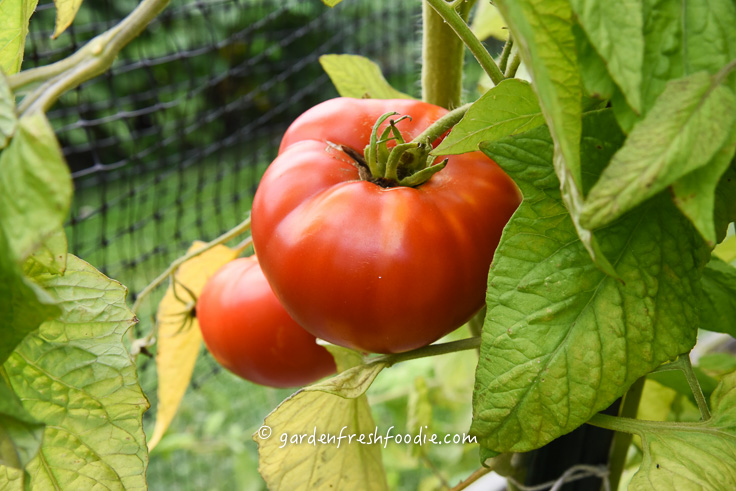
x,y
620,254
360,259
248,331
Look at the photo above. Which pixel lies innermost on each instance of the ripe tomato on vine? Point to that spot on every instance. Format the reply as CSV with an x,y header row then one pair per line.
x,y
368,240
249,332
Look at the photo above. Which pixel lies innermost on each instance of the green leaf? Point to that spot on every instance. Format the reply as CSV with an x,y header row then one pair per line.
x,y
692,455
725,202
8,119
76,376
20,434
690,123
544,31
487,22
50,257
660,402
615,31
562,340
683,38
507,109
356,76
718,300
695,194
331,3
726,250
291,455
717,365
593,71
14,16
35,186
66,10
24,305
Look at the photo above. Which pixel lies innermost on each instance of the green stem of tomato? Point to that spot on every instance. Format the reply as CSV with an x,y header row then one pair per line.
x,y
692,380
442,125
431,350
513,65
684,365
457,23
505,53
442,60
640,427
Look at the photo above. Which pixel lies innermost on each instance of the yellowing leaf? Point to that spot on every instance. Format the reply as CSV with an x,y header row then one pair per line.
x,y
726,250
298,444
489,23
319,437
178,347
66,10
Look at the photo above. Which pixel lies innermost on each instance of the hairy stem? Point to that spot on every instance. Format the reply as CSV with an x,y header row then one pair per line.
x,y
505,53
90,60
692,380
683,364
442,60
458,24
442,125
513,66
431,350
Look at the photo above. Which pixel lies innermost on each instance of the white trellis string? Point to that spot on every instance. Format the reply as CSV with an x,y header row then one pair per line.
x,y
574,473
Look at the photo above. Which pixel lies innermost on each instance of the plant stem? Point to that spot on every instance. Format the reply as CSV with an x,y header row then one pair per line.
x,y
622,441
684,365
431,350
472,478
503,61
244,226
639,427
442,60
90,60
442,125
692,380
456,22
513,66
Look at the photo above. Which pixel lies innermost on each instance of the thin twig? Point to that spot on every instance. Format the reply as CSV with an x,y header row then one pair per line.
x,y
472,478
505,53
92,59
244,226
513,65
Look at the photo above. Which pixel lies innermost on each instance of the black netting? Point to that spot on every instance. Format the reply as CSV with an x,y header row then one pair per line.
x,y
168,147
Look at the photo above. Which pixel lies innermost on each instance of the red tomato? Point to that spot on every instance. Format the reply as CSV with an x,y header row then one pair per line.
x,y
381,269
248,331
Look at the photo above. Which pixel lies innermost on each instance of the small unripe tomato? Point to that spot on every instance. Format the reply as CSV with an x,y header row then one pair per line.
x,y
249,333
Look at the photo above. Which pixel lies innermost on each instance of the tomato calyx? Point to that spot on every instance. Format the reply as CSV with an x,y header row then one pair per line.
x,y
405,164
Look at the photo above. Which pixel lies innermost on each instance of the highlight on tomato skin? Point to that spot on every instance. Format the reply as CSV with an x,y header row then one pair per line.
x,y
248,332
382,269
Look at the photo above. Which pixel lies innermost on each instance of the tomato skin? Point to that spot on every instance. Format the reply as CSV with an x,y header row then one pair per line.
x,y
376,269
249,333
